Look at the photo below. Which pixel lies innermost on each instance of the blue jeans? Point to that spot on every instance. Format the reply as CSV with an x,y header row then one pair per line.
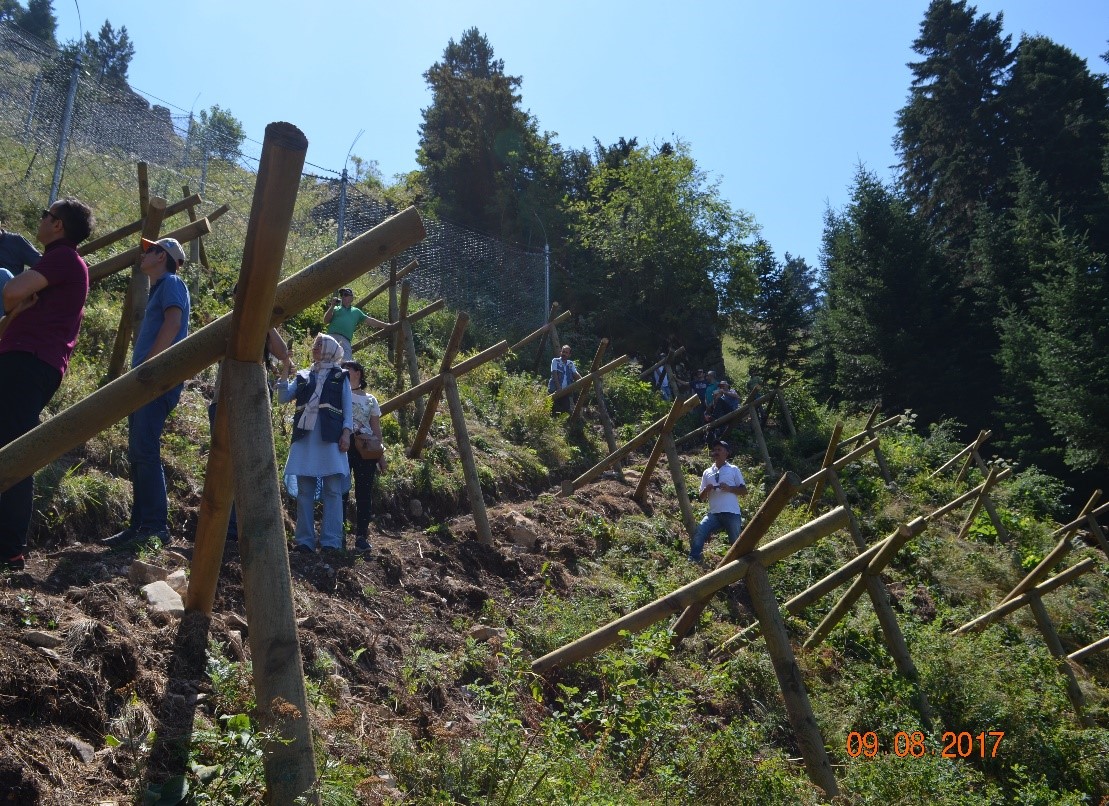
x,y
331,529
149,509
730,522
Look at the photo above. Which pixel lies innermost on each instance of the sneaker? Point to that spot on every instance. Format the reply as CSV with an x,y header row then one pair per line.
x,y
129,536
302,548
16,563
362,544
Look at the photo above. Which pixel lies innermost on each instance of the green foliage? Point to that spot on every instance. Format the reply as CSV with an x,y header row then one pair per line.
x,y
632,403
217,133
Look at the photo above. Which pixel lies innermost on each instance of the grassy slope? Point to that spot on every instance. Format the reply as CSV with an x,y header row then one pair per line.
x,y
638,723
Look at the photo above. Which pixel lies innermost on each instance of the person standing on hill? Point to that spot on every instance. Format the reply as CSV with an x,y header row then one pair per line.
x,y
563,373
165,323
46,304
722,485
341,318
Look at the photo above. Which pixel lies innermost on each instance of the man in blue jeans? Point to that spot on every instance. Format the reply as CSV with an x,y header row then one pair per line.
x,y
165,322
722,485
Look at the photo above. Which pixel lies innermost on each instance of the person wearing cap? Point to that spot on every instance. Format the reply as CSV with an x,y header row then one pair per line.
x,y
722,485
165,322
45,305
341,318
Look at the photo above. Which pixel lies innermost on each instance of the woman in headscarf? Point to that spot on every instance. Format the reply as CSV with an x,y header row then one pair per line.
x,y
322,427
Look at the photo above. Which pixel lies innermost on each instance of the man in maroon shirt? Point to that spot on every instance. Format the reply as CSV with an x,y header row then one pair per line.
x,y
45,305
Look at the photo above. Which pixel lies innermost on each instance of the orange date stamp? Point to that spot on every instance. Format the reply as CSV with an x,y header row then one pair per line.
x,y
961,744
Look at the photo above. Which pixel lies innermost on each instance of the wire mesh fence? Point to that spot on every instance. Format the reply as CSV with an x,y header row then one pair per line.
x,y
63,129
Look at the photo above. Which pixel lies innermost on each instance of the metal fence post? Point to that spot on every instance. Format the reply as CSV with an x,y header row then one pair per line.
x,y
63,137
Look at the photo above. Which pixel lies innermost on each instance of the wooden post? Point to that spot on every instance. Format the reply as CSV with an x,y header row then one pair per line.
x,y
1007,606
568,487
672,418
1089,649
674,462
278,671
144,186
605,417
602,346
402,273
798,708
695,591
829,458
85,419
402,335
394,308
540,331
588,378
1055,646
393,327
137,289
869,432
96,244
413,364
954,459
748,539
197,252
106,268
890,547
991,479
455,341
756,428
469,466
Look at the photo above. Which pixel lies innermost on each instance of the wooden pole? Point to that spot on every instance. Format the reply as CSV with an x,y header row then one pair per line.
x,y
540,331
670,356
991,479
197,251
83,420
605,417
106,268
278,671
875,428
455,341
137,289
394,307
1055,647
732,416
695,591
823,474
829,458
602,346
900,537
144,186
760,440
413,364
568,487
674,462
756,528
972,455
436,381
1090,649
588,378
88,247
1007,606
469,466
668,424
401,274
402,335
954,459
393,327
798,708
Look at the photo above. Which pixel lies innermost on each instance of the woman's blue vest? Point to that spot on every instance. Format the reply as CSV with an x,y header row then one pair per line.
x,y
330,419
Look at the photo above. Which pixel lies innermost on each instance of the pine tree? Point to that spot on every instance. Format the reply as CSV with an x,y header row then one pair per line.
x,y
38,20
110,54
950,133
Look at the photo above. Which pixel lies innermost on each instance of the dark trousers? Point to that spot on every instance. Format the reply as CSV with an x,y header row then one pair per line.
x,y
26,386
364,472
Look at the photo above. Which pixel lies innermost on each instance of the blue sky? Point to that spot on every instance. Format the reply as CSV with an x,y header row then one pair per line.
x,y
780,101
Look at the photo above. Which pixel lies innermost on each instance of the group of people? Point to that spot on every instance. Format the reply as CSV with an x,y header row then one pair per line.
x,y
42,300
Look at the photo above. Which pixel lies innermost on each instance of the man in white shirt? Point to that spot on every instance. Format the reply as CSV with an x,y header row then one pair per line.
x,y
722,485
563,373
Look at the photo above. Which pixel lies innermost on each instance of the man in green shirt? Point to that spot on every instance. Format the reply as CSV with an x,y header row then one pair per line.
x,y
342,318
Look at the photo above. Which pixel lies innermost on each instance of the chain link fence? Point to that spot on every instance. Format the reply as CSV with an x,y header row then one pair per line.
x,y
65,133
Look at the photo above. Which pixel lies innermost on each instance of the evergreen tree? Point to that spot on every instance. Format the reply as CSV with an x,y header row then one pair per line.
x,y
480,153
1057,128
110,54
217,133
38,20
10,10
893,312
953,156
776,329
1056,349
